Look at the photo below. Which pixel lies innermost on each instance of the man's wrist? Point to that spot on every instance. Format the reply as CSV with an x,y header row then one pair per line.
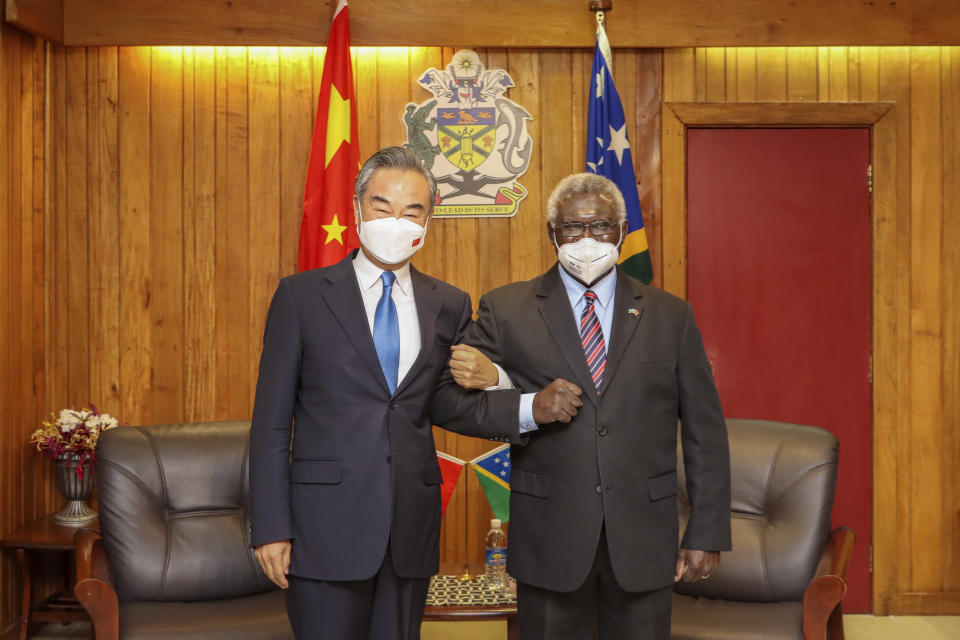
x,y
503,380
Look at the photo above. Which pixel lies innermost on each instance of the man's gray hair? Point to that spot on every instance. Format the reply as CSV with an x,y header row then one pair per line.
x,y
582,183
402,158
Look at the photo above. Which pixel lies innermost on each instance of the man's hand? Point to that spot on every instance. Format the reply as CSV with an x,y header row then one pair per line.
x,y
471,369
274,558
695,565
556,402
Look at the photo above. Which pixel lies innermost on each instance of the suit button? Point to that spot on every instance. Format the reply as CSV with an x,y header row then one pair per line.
x,y
603,431
394,405
389,459
598,489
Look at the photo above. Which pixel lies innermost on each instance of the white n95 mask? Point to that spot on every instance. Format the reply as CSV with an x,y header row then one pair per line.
x,y
391,240
587,259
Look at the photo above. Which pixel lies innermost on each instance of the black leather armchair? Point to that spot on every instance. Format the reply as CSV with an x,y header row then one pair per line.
x,y
174,560
783,580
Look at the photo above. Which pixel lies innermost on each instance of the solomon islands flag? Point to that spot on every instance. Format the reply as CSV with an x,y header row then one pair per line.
x,y
608,154
493,472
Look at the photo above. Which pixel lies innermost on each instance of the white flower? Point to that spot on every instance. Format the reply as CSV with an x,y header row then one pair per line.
x,y
68,420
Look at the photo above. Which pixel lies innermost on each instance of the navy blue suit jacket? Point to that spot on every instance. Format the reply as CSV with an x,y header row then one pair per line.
x,y
362,467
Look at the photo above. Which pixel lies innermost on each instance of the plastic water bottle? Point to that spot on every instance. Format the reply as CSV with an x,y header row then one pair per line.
x,y
496,564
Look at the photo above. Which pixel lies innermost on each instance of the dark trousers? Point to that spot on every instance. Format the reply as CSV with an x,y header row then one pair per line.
x,y
598,607
385,607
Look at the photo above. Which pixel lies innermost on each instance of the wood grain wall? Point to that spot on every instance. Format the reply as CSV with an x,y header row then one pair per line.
x,y
145,226
26,481
916,398
175,179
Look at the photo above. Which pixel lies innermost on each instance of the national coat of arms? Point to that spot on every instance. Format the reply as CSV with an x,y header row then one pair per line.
x,y
473,139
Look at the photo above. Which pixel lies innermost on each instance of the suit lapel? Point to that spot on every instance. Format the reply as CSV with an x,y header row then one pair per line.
x,y
345,302
428,310
627,312
555,311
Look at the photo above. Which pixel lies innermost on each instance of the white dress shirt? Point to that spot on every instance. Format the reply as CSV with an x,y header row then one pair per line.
x,y
371,288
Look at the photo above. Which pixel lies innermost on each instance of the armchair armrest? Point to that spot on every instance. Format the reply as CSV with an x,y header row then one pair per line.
x,y
94,587
836,554
822,613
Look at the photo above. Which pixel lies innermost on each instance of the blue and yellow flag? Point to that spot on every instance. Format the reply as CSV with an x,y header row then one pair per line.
x,y
493,472
608,154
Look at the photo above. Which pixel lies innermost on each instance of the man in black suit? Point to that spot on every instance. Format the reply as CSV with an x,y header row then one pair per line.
x,y
606,366
346,505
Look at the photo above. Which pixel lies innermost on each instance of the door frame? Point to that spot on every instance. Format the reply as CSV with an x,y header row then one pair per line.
x,y
889,294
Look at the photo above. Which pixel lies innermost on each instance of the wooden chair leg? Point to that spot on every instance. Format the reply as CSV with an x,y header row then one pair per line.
x,y
23,561
835,625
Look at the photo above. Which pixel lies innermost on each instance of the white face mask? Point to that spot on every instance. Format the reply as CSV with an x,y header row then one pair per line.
x,y
587,259
391,240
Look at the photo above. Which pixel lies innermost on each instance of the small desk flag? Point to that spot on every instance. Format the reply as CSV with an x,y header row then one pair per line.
x,y
450,469
493,472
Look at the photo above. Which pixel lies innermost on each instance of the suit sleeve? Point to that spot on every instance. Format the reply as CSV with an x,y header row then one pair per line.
x,y
483,414
706,454
270,431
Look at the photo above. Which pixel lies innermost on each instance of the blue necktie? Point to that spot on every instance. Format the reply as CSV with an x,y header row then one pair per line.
x,y
386,332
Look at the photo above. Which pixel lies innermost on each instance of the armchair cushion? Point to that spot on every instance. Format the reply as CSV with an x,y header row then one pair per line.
x,y
173,512
783,580
783,478
730,620
258,617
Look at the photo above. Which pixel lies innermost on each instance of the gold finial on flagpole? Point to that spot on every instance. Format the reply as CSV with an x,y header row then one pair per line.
x,y
600,7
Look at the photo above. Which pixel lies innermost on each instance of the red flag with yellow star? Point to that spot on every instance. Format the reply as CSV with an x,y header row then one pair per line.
x,y
327,231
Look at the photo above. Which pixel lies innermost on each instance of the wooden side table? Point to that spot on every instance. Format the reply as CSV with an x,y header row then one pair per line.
x,y
42,535
473,612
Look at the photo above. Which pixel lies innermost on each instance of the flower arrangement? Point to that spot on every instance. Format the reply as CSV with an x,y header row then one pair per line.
x,y
73,433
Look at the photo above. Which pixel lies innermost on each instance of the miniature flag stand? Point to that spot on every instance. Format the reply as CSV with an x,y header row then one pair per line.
x,y
493,472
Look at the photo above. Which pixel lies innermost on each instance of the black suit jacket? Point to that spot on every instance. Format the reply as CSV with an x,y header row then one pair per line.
x,y
362,467
615,463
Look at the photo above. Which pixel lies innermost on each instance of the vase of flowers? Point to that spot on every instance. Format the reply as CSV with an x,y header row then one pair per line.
x,y
70,439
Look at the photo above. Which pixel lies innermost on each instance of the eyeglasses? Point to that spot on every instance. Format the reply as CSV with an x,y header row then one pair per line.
x,y
597,228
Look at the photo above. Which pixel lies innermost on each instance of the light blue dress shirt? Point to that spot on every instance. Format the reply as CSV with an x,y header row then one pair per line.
x,y
605,288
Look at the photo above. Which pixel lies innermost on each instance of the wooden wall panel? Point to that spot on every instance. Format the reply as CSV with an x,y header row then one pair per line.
x,y
175,189
916,535
145,226
950,453
26,490
653,23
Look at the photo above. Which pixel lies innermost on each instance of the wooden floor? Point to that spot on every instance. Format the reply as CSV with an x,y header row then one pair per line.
x,y
857,627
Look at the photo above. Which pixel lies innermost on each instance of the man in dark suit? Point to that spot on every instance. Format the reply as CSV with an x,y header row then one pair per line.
x,y
606,366
346,503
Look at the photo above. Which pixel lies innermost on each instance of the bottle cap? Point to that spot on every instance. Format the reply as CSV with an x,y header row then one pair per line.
x,y
495,523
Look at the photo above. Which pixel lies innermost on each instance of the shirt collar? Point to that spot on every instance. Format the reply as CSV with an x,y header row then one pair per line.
x,y
368,274
605,287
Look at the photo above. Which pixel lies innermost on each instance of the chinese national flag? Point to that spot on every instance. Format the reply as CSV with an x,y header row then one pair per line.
x,y
450,469
327,231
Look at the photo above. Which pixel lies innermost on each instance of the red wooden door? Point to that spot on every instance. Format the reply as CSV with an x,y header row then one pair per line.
x,y
779,279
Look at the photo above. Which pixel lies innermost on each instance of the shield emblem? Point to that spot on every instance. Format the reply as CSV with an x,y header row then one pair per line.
x,y
466,136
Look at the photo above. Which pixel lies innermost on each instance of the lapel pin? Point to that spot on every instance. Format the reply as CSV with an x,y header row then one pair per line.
x,y
633,311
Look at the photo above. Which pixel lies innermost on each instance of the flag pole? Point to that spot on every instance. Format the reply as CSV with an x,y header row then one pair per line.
x,y
465,576
600,8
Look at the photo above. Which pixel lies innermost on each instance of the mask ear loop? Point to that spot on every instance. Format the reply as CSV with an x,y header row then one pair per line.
x,y
620,240
358,216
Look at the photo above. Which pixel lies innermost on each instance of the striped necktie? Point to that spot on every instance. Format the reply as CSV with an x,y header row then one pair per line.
x,y
591,336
